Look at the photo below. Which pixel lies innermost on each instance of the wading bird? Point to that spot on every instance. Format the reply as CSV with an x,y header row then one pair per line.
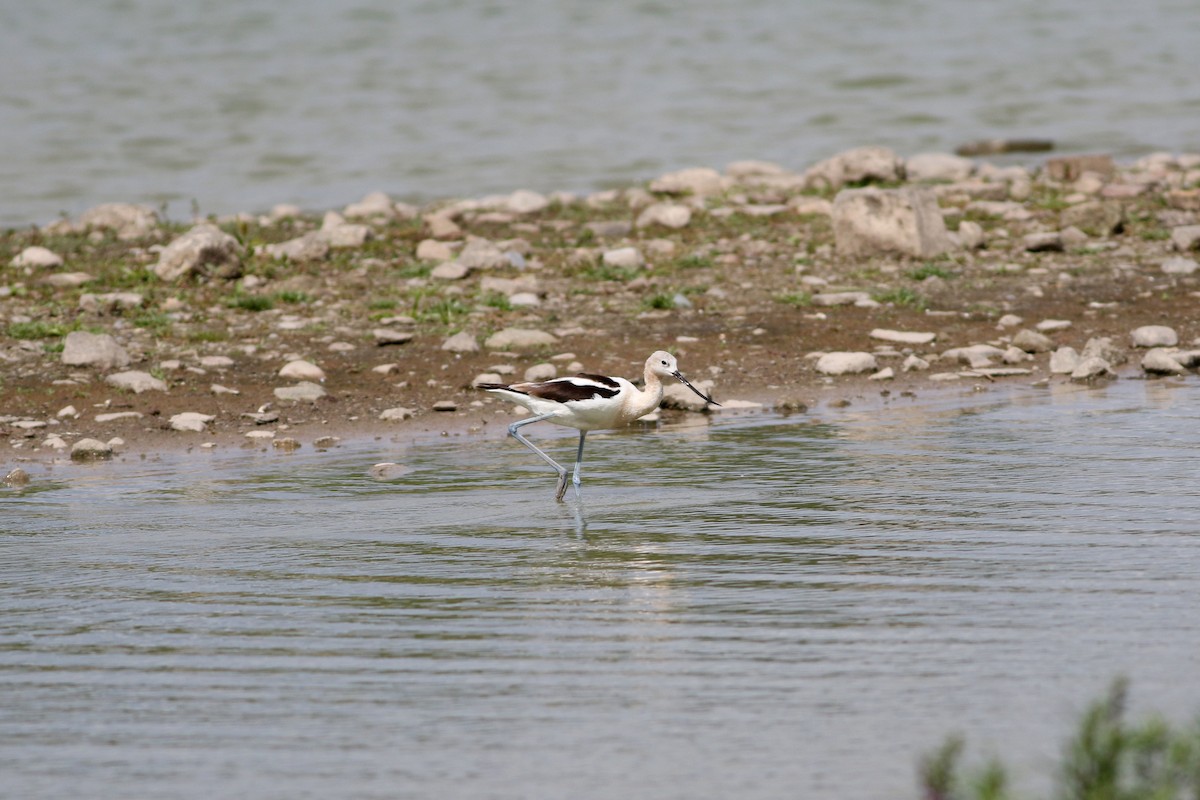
x,y
587,403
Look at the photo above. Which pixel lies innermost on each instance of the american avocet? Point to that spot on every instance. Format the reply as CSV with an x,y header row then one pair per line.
x,y
587,403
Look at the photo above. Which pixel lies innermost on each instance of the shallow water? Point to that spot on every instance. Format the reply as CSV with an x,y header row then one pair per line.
x,y
238,106
756,607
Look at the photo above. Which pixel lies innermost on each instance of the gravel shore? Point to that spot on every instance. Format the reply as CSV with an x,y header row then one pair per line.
x,y
867,273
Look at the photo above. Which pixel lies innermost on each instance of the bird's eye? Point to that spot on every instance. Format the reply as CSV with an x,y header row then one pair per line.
x,y
664,363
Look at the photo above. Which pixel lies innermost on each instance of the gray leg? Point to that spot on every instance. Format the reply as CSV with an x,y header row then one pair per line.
x,y
578,462
513,431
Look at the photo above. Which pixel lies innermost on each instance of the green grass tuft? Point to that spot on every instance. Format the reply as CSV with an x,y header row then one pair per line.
x,y
1107,759
928,270
903,297
797,299
37,330
250,302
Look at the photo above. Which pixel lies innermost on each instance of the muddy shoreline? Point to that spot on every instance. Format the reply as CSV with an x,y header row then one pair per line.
x,y
748,275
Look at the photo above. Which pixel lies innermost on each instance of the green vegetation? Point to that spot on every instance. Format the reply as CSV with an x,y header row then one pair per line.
x,y
1107,759
797,299
694,261
903,297
293,297
497,300
659,301
607,272
445,310
415,270
155,322
207,335
928,270
250,302
37,330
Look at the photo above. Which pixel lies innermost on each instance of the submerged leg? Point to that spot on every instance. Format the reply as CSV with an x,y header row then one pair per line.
x,y
578,463
513,431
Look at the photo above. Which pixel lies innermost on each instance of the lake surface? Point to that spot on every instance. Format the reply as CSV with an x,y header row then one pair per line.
x,y
238,106
751,607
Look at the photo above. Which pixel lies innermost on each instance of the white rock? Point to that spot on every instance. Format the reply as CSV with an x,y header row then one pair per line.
x,y
216,362
486,377
840,363
736,405
840,298
205,249
345,236
914,363
55,442
1154,336
386,336
136,381
976,355
388,471
1103,347
541,372
885,374
397,414
281,211
110,301
938,167
1042,241
1160,361
750,168
1091,367
678,396
1009,321
482,254
698,181
113,416
260,434
38,257
302,371
669,215
1015,355
67,280
869,222
461,342
450,271
524,300
128,220
970,235
90,450
1032,341
304,391
523,201
624,258
507,286
1064,361
902,337
93,350
67,411
854,166
519,339
1051,325
434,250
190,421
312,246
374,205
1179,266
1185,237
441,226
807,205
